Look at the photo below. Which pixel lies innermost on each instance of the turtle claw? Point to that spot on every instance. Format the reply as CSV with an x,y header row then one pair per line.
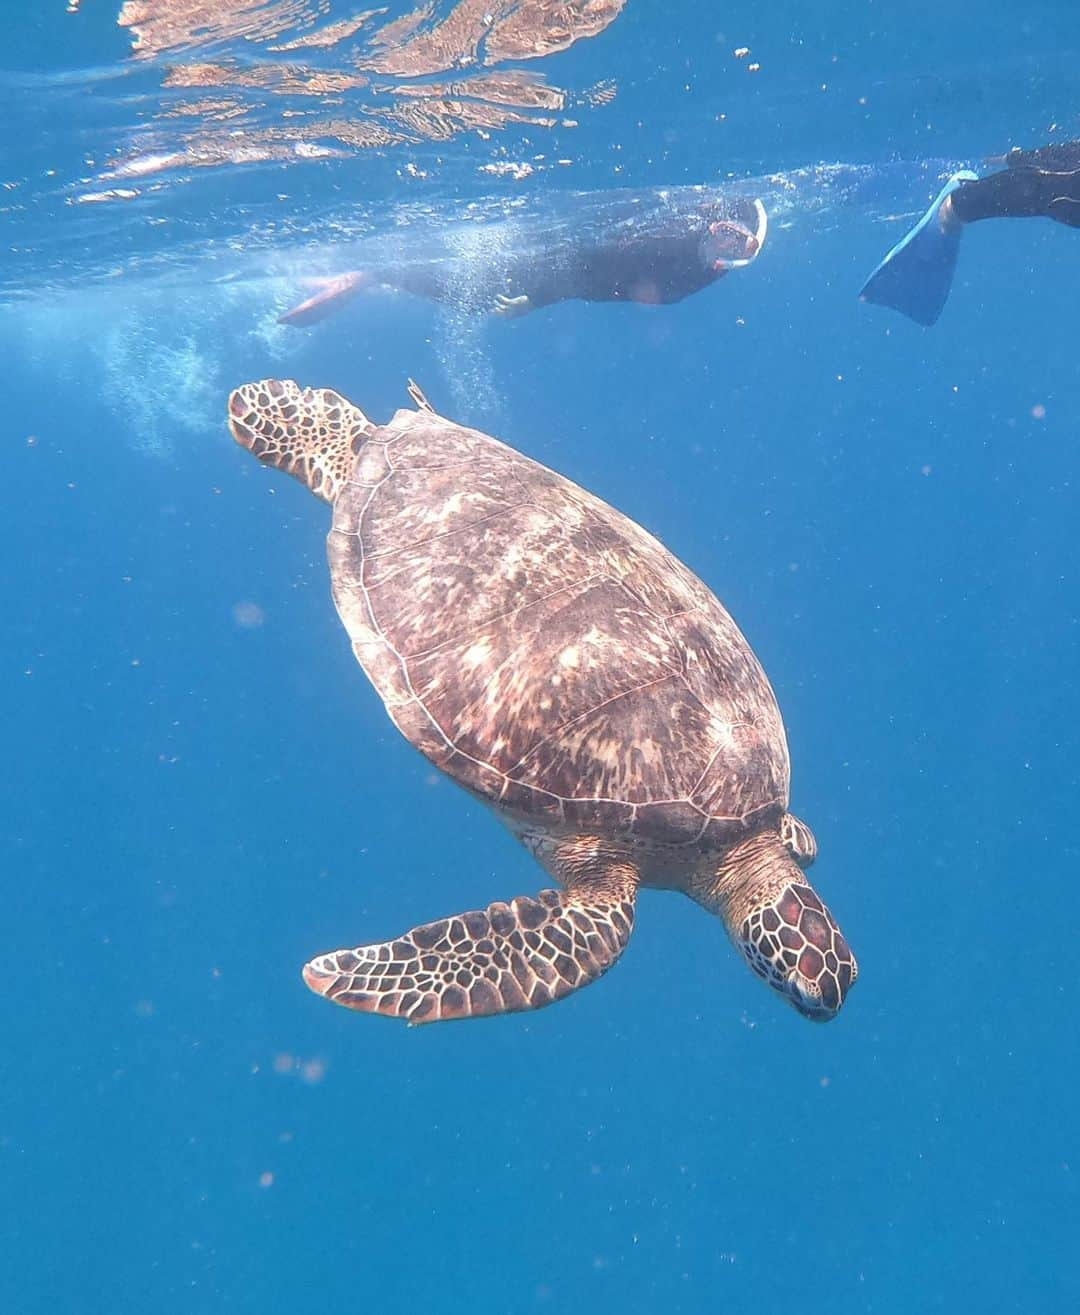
x,y
511,307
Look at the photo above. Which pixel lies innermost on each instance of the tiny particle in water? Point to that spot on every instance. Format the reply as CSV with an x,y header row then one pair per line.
x,y
753,68
266,1179
313,1071
248,615
741,52
1039,411
32,441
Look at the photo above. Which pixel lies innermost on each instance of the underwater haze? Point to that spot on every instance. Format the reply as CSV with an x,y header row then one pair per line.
x,y
203,791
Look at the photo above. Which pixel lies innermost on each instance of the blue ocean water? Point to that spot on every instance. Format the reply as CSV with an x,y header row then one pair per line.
x,y
202,791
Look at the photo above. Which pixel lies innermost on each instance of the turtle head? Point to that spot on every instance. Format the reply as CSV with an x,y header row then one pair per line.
x,y
791,940
783,928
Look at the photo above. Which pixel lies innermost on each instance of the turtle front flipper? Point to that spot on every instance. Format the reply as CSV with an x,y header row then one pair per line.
x,y
499,960
312,433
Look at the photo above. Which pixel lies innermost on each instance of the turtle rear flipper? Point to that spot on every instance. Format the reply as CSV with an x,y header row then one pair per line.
x,y
312,433
499,960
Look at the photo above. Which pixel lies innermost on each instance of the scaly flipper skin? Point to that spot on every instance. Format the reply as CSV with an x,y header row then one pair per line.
x,y
312,433
499,960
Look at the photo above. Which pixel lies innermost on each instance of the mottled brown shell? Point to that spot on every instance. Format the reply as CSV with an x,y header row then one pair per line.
x,y
544,650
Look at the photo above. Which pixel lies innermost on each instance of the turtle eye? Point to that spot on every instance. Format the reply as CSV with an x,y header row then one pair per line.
x,y
793,943
799,840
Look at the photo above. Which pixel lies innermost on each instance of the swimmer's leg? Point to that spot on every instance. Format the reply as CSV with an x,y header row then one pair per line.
x,y
332,295
1022,191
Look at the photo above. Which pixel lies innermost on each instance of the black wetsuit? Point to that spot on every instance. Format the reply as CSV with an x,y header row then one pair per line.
x,y
647,267
1044,182
647,262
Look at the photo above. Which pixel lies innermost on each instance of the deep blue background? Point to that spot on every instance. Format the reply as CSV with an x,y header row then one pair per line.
x,y
193,806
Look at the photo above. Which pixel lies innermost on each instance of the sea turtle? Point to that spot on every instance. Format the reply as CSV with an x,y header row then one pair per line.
x,y
559,663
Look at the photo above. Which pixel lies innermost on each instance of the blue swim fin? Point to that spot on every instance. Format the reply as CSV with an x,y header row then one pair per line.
x,y
916,275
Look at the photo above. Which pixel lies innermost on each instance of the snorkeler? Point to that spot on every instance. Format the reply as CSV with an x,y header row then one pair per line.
x,y
657,265
916,275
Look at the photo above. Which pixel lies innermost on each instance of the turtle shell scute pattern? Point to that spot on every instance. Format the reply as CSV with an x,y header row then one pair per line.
x,y
542,648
